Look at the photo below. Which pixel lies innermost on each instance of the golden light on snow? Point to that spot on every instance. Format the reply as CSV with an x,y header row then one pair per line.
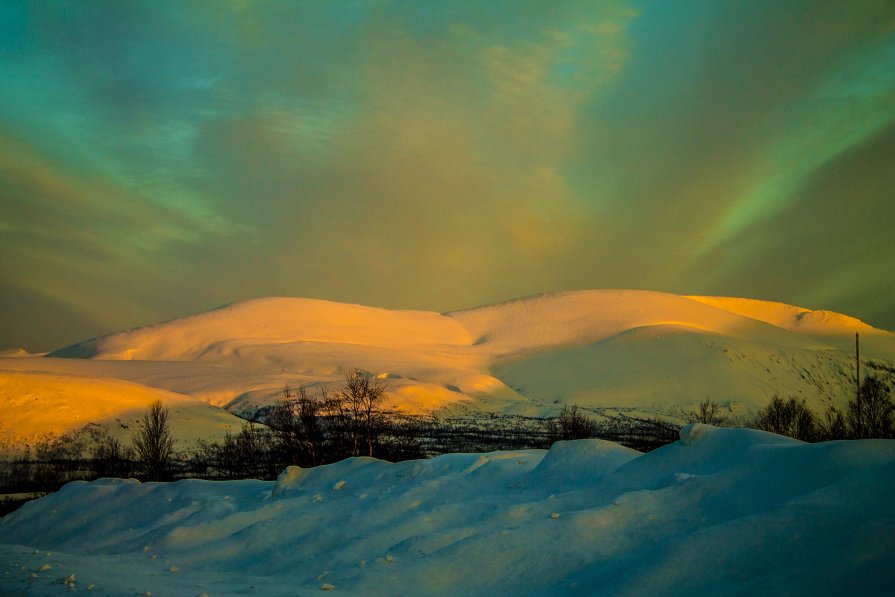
x,y
621,347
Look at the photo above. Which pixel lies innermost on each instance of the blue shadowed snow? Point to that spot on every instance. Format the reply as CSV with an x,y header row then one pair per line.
x,y
721,511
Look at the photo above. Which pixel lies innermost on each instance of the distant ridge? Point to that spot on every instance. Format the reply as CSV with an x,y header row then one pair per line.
x,y
561,318
604,350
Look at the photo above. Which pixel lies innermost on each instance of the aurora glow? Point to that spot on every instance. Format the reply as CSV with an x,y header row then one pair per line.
x,y
160,159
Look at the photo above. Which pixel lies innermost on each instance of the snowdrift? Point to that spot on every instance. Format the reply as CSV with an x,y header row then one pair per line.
x,y
723,511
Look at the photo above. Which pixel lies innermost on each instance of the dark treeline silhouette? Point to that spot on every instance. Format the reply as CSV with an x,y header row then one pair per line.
x,y
708,412
302,429
869,415
309,428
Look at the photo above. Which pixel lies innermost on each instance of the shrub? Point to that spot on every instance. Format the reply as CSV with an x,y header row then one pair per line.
x,y
111,458
834,426
790,416
573,424
871,414
708,412
297,426
244,454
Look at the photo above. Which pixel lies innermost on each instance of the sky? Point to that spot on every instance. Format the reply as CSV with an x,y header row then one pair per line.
x,y
159,159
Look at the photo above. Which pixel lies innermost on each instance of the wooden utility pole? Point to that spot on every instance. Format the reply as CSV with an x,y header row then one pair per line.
x,y
860,420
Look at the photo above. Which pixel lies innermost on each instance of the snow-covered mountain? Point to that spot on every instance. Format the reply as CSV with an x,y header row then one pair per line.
x,y
722,512
599,349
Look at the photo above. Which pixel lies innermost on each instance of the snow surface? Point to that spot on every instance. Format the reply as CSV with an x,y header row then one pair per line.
x,y
33,405
723,511
819,323
601,349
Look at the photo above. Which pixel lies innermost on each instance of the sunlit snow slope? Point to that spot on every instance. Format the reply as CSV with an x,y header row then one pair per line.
x,y
33,405
722,512
604,349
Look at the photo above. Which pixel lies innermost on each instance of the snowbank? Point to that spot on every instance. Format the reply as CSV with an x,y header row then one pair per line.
x,y
722,511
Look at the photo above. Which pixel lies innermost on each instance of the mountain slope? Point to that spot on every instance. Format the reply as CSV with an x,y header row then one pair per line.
x,y
269,322
584,317
600,349
33,404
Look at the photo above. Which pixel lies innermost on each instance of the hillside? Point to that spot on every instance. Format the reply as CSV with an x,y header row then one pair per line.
x,y
601,349
33,405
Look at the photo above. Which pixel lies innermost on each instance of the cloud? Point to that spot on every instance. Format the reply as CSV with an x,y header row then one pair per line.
x,y
830,242
158,160
441,166
722,115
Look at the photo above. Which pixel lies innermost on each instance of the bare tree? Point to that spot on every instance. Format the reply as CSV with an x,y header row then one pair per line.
x,y
309,413
788,416
111,458
871,414
286,428
573,424
244,454
153,443
708,412
360,403
834,425
297,426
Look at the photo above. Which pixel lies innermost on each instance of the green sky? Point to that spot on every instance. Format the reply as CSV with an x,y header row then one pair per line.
x,y
161,159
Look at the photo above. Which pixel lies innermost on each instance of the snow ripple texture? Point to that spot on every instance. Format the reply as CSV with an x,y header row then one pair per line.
x,y
723,511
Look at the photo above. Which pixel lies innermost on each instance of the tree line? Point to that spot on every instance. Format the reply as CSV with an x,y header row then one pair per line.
x,y
300,429
303,427
868,415
308,429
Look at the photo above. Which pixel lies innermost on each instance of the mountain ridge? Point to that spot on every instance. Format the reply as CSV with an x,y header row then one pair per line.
x,y
652,352
834,324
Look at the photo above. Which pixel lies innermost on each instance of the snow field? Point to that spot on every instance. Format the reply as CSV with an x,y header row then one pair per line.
x,y
728,511
36,403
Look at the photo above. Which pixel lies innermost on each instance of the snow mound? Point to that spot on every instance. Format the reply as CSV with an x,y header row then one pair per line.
x,y
296,480
288,480
699,433
724,511
567,460
702,450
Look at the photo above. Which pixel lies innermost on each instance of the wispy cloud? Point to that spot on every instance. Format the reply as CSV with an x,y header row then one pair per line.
x,y
157,160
